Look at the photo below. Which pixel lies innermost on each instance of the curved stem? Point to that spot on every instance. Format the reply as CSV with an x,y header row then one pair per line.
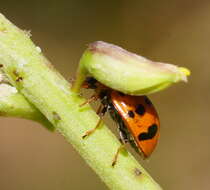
x,y
32,75
80,78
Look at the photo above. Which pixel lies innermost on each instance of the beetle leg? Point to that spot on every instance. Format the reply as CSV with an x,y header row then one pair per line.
x,y
93,98
101,112
123,140
122,146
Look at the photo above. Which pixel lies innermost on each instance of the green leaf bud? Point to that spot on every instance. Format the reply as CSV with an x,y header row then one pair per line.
x,y
128,72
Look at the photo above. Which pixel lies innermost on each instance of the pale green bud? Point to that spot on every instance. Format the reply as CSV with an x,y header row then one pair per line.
x,y
128,72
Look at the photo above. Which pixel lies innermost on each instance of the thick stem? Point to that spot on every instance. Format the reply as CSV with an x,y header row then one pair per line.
x,y
13,104
31,74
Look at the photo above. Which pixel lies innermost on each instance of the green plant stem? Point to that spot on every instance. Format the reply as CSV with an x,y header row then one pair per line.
x,y
13,104
32,75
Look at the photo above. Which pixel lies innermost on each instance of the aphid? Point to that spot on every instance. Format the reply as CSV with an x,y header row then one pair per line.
x,y
137,119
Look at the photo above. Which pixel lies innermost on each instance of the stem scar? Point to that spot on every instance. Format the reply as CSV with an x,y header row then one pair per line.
x,y
137,172
18,78
56,116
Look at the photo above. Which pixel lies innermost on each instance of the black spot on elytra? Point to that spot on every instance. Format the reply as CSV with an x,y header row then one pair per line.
x,y
147,101
140,109
131,114
150,134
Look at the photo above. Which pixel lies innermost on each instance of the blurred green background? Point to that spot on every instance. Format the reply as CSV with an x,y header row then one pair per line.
x,y
175,31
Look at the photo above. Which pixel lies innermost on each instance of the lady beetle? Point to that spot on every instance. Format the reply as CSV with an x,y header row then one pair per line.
x,y
137,119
